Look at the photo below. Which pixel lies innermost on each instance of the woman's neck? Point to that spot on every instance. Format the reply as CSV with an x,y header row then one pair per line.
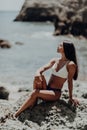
x,y
63,58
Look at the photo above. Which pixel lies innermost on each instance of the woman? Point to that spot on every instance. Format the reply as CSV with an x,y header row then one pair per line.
x,y
65,68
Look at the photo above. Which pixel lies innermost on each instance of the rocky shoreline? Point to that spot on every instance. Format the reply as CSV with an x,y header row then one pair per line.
x,y
47,115
5,43
68,17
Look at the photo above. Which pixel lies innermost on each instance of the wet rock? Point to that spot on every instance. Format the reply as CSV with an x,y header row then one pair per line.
x,y
85,127
5,44
19,43
23,89
84,95
4,93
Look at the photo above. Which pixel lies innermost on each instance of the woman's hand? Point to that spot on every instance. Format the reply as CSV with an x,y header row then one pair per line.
x,y
74,101
39,82
39,76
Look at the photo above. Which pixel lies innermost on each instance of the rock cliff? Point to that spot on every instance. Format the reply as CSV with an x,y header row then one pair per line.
x,y
69,17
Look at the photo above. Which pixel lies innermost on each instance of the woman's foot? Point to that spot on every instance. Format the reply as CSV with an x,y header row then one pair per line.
x,y
16,114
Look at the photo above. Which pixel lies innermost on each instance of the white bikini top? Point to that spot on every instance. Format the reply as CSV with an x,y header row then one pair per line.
x,y
60,73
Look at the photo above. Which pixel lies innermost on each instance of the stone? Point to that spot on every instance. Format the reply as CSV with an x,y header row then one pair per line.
x,y
69,17
5,43
84,95
4,93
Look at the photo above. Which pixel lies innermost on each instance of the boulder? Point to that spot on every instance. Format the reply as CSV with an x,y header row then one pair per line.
x,y
53,115
4,44
67,15
19,43
4,93
37,11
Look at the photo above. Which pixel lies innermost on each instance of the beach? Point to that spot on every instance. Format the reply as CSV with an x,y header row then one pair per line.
x,y
32,46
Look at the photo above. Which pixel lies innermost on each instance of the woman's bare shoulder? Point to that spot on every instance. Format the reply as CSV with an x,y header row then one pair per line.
x,y
71,65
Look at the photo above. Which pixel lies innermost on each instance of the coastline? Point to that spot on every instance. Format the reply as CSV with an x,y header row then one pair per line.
x,y
51,115
17,68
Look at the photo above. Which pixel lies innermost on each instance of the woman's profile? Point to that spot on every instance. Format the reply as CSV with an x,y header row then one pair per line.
x,y
63,69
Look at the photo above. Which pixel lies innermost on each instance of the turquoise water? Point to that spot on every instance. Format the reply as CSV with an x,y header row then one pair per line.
x,y
19,63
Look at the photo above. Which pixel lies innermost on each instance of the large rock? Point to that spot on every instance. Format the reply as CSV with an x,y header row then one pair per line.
x,y
54,115
5,43
39,10
68,16
4,93
47,115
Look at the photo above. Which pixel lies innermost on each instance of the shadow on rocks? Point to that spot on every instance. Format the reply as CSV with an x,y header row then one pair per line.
x,y
58,112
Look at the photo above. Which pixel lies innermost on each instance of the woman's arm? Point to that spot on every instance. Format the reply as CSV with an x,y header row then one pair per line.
x,y
71,72
45,67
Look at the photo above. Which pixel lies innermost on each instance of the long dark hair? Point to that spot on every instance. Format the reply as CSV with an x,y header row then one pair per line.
x,y
70,53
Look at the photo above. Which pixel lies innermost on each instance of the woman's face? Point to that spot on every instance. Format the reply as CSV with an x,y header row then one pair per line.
x,y
60,48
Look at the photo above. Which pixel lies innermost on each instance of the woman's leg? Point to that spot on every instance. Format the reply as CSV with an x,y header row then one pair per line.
x,y
43,94
28,103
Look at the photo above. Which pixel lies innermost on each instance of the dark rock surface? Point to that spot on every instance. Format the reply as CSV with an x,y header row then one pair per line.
x,y
4,93
5,43
69,17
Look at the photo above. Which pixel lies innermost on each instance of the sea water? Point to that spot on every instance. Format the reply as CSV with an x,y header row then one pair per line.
x,y
19,63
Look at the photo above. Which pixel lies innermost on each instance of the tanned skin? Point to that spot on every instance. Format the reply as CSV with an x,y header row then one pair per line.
x,y
54,81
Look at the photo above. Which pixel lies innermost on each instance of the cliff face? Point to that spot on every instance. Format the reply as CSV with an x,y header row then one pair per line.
x,y
38,10
68,16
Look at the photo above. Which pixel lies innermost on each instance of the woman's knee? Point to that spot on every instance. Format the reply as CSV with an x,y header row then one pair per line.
x,y
35,93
